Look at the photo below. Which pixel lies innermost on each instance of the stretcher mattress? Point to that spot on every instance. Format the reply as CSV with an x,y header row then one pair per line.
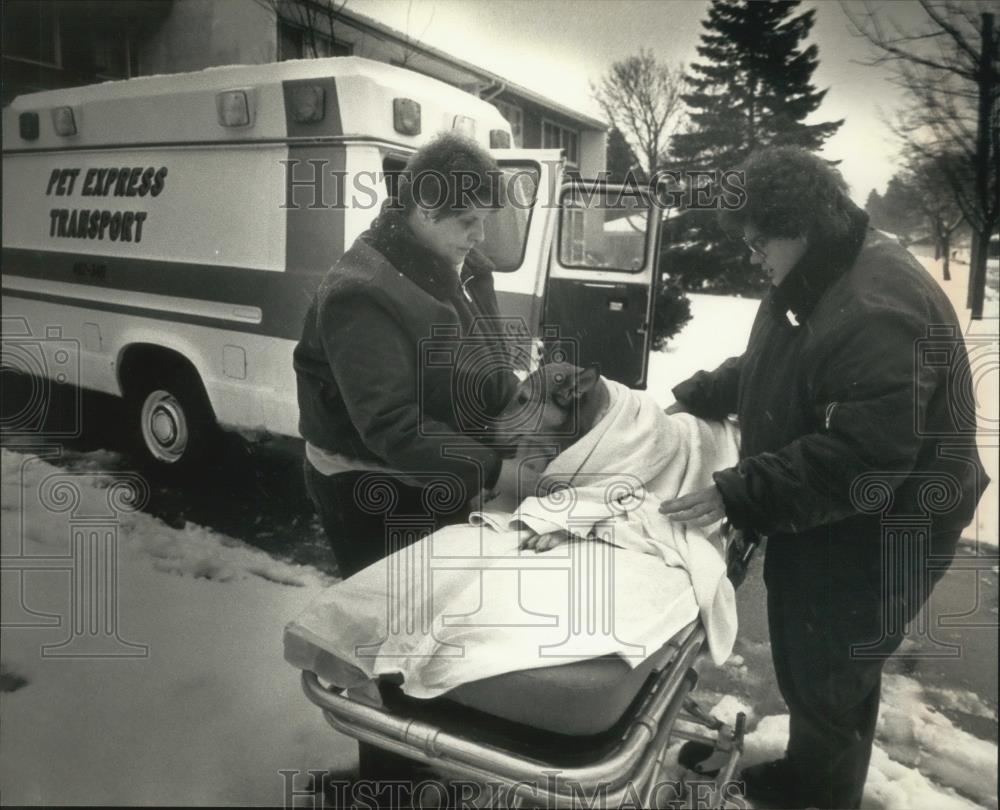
x,y
582,698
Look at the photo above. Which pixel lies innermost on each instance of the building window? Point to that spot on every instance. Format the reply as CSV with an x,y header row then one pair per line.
x,y
515,117
299,42
31,32
50,45
558,137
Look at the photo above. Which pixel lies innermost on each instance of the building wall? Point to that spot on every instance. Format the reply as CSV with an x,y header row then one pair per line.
x,y
205,33
591,158
593,152
187,35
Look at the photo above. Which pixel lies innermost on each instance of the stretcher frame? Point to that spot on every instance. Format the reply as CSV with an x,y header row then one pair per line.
x,y
632,767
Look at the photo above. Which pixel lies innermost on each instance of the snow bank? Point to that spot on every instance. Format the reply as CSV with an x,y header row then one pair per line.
x,y
921,738
921,759
208,715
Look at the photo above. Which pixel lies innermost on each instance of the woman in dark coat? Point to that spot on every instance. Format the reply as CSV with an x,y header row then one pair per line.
x,y
402,363
858,460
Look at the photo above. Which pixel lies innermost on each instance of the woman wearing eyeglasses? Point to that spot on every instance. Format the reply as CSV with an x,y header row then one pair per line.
x,y
847,425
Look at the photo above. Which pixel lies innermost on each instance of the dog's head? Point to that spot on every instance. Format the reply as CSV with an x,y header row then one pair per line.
x,y
550,405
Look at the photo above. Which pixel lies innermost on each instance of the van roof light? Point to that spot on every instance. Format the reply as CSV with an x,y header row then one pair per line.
x,y
233,108
464,125
63,121
28,125
307,103
499,139
406,116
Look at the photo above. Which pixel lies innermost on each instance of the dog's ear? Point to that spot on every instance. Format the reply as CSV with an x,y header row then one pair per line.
x,y
564,391
587,379
574,385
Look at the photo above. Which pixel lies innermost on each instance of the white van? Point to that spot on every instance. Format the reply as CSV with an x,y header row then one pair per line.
x,y
163,235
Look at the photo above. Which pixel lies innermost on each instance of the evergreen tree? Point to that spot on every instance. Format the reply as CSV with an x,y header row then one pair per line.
x,y
621,160
753,87
875,206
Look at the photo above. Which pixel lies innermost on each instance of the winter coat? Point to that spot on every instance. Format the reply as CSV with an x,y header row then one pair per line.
x,y
847,419
390,367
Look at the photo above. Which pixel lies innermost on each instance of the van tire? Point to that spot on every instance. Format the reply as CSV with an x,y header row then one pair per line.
x,y
172,424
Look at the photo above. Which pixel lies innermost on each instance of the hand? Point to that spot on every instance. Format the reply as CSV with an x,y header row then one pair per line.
x,y
677,407
543,542
701,508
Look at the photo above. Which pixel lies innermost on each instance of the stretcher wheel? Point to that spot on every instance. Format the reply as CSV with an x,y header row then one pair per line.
x,y
173,426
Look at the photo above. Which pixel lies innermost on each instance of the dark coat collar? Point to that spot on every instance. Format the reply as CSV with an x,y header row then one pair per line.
x,y
391,235
823,263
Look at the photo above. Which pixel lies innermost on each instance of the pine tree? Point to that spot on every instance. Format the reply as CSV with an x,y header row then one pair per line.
x,y
753,87
621,159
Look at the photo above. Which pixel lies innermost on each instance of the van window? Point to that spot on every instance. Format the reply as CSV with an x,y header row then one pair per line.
x,y
507,229
392,165
602,229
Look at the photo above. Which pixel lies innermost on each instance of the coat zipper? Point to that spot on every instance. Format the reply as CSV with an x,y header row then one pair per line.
x,y
829,413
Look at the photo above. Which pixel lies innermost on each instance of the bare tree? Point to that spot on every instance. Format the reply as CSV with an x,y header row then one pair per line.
x,y
931,179
642,98
949,67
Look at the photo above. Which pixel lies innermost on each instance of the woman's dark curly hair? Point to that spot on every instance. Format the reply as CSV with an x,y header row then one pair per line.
x,y
450,174
791,192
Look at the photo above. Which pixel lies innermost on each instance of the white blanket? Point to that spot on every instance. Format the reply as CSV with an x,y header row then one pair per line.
x,y
466,603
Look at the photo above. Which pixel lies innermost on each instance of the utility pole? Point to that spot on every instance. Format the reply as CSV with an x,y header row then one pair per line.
x,y
986,80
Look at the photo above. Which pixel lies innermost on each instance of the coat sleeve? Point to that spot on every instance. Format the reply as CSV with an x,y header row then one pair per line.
x,y
866,393
376,370
711,394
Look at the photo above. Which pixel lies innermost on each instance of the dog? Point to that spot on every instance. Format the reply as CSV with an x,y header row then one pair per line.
x,y
551,409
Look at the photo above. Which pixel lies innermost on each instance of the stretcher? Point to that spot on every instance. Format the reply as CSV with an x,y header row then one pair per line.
x,y
594,733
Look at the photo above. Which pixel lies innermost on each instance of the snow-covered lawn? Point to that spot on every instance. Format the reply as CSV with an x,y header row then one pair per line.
x,y
207,712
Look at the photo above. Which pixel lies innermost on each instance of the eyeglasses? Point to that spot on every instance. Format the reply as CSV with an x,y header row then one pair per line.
x,y
756,245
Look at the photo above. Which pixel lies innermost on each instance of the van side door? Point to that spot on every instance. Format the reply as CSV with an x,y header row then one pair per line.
x,y
600,294
519,237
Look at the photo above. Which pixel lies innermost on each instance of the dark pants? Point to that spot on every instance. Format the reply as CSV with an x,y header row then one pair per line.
x,y
832,626
366,517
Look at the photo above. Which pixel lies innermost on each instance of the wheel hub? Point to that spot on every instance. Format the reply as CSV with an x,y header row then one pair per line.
x,y
164,426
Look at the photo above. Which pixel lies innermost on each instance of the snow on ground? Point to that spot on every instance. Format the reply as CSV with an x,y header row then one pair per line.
x,y
921,761
208,716
210,713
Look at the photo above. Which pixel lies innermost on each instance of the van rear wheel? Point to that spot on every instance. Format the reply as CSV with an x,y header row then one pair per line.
x,y
173,424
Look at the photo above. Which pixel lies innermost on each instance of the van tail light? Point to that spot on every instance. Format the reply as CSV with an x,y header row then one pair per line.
x,y
406,116
464,125
28,125
233,108
64,121
499,139
307,103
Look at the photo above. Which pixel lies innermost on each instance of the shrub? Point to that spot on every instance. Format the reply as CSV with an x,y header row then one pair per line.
x,y
671,313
